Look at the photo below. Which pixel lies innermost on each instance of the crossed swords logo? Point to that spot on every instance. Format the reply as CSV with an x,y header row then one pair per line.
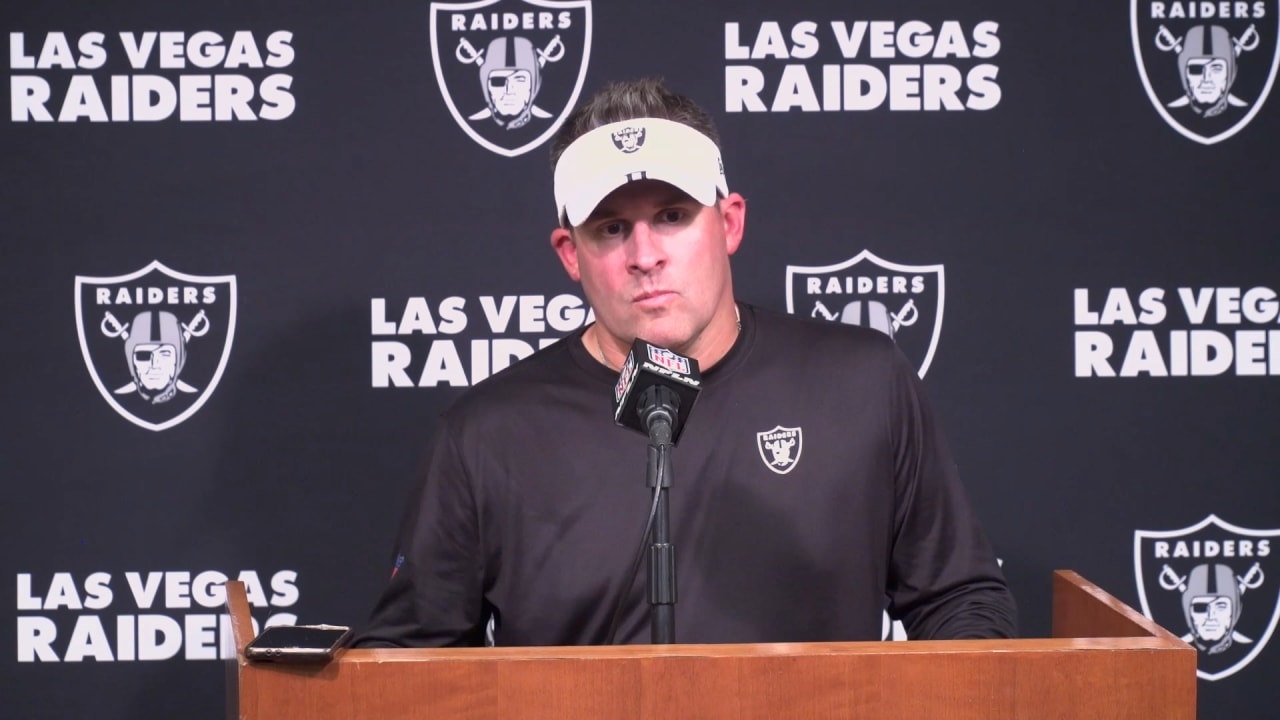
x,y
1166,42
905,317
1171,580
467,54
112,328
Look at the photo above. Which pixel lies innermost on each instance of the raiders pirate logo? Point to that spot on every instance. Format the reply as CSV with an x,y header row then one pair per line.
x,y
1207,66
156,341
510,70
903,301
628,139
780,448
1216,585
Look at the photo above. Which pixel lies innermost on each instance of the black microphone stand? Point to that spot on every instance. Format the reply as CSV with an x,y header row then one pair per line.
x,y
658,406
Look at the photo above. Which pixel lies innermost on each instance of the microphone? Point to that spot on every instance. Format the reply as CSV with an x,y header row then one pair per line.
x,y
656,389
654,395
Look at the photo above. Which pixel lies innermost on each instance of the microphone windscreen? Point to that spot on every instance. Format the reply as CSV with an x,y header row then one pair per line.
x,y
648,365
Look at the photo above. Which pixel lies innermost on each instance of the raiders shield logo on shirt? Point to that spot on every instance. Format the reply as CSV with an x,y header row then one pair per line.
x,y
780,448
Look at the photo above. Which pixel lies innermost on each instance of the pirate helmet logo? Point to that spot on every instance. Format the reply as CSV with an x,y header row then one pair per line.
x,y
1211,604
1207,76
780,448
1207,68
629,139
170,365
522,54
155,350
510,76
1215,581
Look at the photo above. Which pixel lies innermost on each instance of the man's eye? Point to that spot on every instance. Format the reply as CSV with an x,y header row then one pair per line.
x,y
673,215
613,228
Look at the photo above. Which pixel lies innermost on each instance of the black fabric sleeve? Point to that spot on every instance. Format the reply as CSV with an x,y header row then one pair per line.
x,y
944,581
434,596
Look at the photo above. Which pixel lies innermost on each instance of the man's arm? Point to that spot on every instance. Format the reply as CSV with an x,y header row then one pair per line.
x,y
434,596
944,582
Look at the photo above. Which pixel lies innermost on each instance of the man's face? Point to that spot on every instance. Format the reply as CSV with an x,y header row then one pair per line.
x,y
155,363
1207,78
1211,616
654,264
510,90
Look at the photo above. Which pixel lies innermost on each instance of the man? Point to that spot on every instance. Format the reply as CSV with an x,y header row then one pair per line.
x,y
533,501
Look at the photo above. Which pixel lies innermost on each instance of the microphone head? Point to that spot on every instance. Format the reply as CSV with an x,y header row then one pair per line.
x,y
646,366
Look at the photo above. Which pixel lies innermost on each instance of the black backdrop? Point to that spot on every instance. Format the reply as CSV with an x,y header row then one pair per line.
x,y
1050,212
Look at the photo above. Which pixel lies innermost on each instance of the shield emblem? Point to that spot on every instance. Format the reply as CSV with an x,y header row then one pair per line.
x,y
903,301
1213,583
156,341
780,448
510,70
669,360
1206,75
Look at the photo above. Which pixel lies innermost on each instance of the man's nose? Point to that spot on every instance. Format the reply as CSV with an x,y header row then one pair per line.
x,y
648,250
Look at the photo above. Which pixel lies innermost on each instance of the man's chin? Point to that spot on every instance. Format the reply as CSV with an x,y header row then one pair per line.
x,y
676,342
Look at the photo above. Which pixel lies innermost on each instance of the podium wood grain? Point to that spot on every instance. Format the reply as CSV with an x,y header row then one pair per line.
x,y
1104,661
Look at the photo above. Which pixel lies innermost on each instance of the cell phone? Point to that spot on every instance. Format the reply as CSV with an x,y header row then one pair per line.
x,y
298,643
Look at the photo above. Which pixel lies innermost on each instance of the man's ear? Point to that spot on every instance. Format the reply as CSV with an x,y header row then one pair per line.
x,y
567,250
733,213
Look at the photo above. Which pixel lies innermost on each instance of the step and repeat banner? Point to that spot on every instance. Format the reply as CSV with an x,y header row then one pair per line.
x,y
252,250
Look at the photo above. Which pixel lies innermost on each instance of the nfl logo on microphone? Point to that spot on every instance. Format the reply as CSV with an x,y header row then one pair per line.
x,y
669,360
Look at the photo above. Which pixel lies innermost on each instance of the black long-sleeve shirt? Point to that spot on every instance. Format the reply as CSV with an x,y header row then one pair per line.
x,y
533,502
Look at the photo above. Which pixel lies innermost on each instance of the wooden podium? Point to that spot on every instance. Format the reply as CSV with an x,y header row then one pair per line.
x,y
1105,660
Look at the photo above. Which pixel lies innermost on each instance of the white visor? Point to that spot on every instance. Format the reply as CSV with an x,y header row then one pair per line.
x,y
613,155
